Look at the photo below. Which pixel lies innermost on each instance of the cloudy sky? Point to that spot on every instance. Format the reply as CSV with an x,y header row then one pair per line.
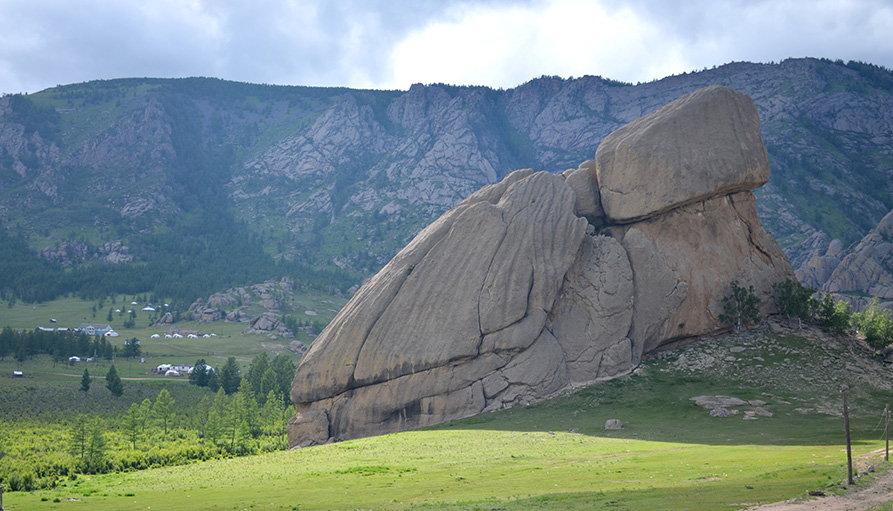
x,y
393,44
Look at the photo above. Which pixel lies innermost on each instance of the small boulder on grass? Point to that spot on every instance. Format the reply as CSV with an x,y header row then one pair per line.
x,y
613,424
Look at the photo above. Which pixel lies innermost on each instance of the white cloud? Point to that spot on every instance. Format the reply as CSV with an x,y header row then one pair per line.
x,y
505,46
634,41
392,44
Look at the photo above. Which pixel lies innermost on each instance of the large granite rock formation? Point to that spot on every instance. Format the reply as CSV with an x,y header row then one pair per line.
x,y
538,283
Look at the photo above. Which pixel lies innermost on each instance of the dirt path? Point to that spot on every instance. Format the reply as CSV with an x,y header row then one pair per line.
x,y
880,491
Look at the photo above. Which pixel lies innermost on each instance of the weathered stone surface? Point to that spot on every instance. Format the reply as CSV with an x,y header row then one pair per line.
x,y
684,260
704,144
613,424
475,286
593,315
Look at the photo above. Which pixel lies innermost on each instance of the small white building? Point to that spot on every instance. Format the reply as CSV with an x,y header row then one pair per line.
x,y
74,359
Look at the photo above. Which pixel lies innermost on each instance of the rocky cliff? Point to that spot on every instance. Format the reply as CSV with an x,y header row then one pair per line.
x,y
545,281
859,273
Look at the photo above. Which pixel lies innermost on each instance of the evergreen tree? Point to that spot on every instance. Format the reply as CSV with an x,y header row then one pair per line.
x,y
132,424
229,376
268,383
876,325
77,437
113,381
285,374
217,417
145,413
834,315
275,418
163,408
199,375
132,348
795,300
94,456
257,368
85,381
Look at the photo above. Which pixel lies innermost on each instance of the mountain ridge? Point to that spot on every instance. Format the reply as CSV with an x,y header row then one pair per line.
x,y
341,179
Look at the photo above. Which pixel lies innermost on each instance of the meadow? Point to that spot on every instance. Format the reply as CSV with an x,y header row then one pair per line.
x,y
556,454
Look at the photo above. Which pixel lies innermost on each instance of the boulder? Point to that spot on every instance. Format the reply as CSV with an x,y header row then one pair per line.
x,y
583,182
704,144
528,288
613,424
167,319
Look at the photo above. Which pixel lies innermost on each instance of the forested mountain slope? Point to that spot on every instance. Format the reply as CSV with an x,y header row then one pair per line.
x,y
210,183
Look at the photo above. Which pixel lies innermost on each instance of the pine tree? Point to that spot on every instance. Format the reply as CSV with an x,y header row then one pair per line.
x,y
132,424
113,382
229,376
85,381
163,408
77,437
145,414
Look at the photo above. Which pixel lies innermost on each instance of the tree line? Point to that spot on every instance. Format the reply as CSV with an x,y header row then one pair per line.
x,y
60,345
151,432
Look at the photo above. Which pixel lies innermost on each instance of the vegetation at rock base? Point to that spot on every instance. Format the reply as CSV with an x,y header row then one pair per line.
x,y
876,325
741,307
795,300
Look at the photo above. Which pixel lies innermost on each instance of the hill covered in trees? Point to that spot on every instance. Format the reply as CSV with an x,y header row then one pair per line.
x,y
184,187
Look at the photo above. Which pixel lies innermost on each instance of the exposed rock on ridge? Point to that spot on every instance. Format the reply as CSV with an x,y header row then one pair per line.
x,y
512,296
865,267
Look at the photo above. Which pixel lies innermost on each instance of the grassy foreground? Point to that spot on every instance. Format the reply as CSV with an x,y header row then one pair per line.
x,y
557,455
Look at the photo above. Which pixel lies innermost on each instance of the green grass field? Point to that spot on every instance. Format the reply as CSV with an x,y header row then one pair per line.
x,y
556,454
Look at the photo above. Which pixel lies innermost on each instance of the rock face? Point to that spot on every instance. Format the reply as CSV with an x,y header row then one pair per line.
x,y
865,267
515,295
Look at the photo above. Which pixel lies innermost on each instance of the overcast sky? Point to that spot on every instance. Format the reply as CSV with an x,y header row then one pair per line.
x,y
393,44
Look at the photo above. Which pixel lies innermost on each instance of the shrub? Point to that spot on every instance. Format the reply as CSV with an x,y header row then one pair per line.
x,y
795,300
834,315
741,308
876,325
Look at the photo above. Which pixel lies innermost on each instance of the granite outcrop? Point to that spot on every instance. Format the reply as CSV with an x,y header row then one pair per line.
x,y
538,283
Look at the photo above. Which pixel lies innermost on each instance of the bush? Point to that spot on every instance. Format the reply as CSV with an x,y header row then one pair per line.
x,y
835,316
795,300
876,325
